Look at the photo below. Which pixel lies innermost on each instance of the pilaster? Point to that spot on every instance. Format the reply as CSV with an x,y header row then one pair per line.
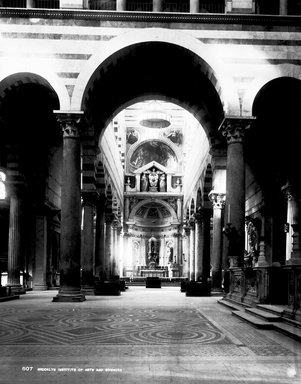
x,y
283,9
194,6
157,5
121,5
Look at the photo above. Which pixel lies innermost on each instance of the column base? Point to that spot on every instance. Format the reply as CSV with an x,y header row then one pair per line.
x,y
88,291
69,296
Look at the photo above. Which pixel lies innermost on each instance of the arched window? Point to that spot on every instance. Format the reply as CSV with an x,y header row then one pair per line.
x,y
2,185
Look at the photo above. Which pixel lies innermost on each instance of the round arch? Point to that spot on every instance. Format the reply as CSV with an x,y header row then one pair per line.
x,y
275,72
11,80
280,132
212,66
157,201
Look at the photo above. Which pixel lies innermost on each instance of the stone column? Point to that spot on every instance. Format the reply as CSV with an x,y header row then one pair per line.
x,y
114,261
15,238
100,240
192,249
206,234
199,245
70,289
186,257
234,129
180,248
283,10
121,5
157,5
40,264
108,245
218,201
194,6
87,259
120,250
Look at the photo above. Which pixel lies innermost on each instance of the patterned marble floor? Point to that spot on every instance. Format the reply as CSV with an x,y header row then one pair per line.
x,y
143,336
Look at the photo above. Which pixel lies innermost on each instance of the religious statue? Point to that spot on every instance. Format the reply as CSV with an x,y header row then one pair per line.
x,y
144,183
153,178
152,253
251,255
162,183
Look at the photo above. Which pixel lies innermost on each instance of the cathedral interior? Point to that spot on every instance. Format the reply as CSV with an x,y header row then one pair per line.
x,y
149,145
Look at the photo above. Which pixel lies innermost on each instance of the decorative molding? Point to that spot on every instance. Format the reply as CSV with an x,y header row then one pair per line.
x,y
93,15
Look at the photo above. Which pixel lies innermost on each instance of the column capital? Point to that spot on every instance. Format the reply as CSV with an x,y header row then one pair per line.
x,y
70,122
234,127
289,192
218,199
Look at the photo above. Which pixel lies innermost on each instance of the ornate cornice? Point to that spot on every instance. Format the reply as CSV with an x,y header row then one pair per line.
x,y
93,15
234,128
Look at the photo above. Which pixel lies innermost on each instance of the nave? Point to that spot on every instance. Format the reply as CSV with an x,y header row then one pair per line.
x,y
143,336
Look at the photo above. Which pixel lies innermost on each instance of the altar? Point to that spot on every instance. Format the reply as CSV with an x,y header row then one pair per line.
x,y
154,273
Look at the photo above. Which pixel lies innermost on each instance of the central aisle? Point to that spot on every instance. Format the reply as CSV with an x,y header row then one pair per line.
x,y
142,336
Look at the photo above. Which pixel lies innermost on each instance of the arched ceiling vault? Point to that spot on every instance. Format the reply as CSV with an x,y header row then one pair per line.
x,y
158,69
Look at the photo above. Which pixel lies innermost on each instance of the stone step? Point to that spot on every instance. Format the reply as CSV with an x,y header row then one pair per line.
x,y
253,320
288,330
265,315
230,304
275,309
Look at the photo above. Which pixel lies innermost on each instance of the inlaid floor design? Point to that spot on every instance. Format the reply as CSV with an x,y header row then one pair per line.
x,y
143,336
135,326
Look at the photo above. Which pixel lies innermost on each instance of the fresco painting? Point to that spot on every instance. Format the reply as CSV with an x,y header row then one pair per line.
x,y
154,151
